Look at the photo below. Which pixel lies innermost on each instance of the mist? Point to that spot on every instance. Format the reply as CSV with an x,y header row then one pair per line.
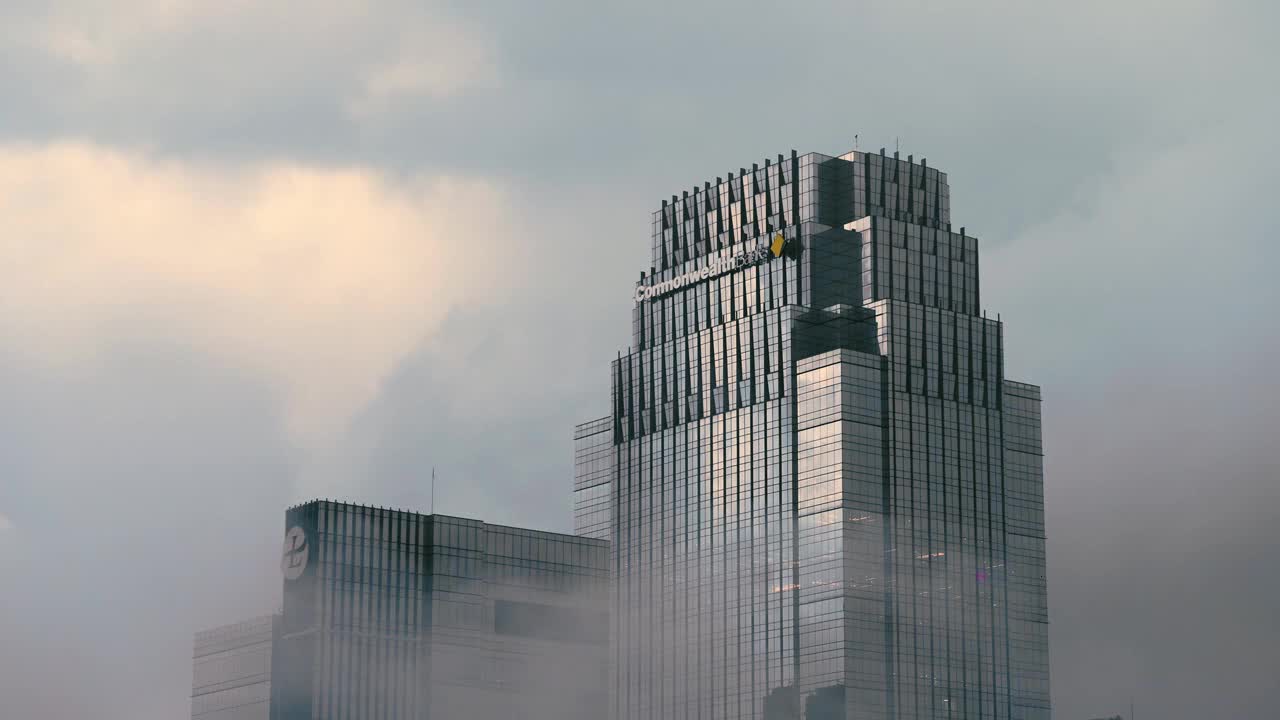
x,y
190,340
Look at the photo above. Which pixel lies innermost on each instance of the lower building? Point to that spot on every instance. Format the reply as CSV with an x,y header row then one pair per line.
x,y
231,671
391,614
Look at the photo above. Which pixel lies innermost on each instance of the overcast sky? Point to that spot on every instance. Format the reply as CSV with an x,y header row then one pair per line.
x,y
253,253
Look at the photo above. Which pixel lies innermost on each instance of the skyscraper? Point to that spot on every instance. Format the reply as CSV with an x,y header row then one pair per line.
x,y
823,494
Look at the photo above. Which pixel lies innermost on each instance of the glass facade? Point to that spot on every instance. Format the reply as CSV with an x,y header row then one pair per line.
x,y
231,671
824,497
391,614
592,471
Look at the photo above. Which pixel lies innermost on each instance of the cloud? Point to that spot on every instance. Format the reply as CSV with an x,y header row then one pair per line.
x,y
308,163
430,63
5,522
90,35
147,490
1159,260
1143,306
180,74
319,279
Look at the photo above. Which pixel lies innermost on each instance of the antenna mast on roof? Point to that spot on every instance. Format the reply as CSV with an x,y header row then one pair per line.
x,y
432,507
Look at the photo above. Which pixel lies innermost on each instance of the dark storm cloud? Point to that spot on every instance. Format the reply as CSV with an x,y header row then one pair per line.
x,y
1118,162
557,90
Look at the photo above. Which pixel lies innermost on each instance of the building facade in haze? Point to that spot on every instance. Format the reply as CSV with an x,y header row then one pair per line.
x,y
231,671
592,476
391,614
825,497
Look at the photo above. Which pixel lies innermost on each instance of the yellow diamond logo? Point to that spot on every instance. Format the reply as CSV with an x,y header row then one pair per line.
x,y
777,245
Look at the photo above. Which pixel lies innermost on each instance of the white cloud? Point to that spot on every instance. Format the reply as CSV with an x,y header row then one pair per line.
x,y
1160,263
318,279
434,62
177,56
95,35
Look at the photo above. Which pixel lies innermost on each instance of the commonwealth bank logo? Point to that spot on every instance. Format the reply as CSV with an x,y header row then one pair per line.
x,y
296,550
778,245
718,264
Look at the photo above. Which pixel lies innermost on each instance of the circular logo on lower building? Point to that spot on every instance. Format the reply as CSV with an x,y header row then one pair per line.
x,y
296,550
